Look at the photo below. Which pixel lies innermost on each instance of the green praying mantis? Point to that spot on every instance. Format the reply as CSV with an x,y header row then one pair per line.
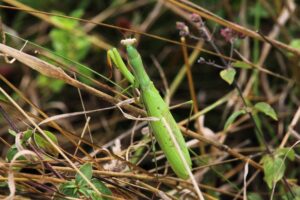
x,y
165,128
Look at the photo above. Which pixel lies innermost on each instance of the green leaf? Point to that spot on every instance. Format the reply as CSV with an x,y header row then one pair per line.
x,y
11,152
93,195
288,152
42,143
258,9
66,44
266,109
295,43
233,117
90,193
296,190
85,191
228,75
55,85
274,168
65,22
27,134
69,189
3,185
102,188
77,13
240,64
12,132
254,196
87,170
70,45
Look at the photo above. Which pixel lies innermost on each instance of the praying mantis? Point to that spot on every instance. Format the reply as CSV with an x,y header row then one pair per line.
x,y
164,128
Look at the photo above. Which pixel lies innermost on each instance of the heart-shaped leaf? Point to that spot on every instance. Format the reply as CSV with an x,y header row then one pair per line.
x,y
228,75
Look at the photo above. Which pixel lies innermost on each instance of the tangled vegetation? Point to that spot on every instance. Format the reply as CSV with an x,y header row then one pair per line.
x,y
217,118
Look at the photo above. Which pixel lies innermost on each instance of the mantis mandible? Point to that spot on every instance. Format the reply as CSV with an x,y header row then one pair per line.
x,y
155,107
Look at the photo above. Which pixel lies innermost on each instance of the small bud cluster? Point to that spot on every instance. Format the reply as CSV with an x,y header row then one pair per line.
x,y
183,29
229,35
195,18
199,23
